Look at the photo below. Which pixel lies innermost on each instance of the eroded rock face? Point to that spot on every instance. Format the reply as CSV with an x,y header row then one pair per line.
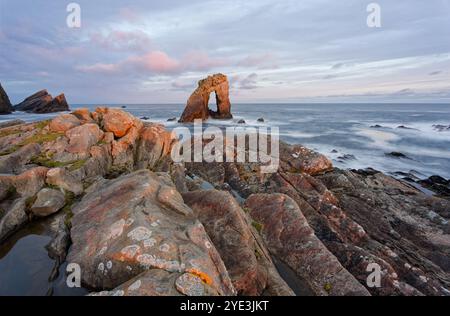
x,y
247,260
5,104
138,223
197,105
290,238
43,102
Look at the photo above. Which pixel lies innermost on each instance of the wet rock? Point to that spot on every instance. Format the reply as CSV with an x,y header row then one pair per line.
x,y
48,201
82,138
59,245
136,224
347,157
261,120
13,218
145,118
5,104
173,119
441,128
241,122
62,178
376,126
247,260
43,102
438,185
395,154
64,122
290,238
197,105
405,127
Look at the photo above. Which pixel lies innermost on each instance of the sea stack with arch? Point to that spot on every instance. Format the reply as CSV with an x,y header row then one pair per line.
x,y
197,105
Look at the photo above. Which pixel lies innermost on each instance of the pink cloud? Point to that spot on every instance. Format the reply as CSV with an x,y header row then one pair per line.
x,y
157,62
100,68
196,60
122,40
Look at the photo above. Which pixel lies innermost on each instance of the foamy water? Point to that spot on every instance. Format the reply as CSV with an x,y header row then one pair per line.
x,y
345,128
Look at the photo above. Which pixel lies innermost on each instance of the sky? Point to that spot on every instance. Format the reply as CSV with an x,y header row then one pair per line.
x,y
284,51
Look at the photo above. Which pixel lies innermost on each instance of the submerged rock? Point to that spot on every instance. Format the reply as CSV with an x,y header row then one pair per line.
x,y
197,105
396,154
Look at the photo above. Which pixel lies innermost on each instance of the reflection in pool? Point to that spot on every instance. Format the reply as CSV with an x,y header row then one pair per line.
x,y
25,265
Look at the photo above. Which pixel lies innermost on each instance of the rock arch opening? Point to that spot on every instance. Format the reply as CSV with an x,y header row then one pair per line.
x,y
198,106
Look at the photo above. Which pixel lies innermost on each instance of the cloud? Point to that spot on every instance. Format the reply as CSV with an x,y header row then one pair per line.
x,y
260,61
122,40
246,83
156,62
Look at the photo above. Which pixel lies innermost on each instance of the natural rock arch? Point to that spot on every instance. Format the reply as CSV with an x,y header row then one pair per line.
x,y
197,105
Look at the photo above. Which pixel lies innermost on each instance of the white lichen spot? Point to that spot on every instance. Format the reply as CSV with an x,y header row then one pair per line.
x,y
102,251
109,265
190,285
129,268
164,248
129,222
207,245
423,278
150,261
116,229
407,266
135,286
119,293
140,233
130,251
101,267
149,242
156,223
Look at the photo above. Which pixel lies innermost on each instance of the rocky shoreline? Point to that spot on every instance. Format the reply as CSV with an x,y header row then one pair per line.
x,y
139,224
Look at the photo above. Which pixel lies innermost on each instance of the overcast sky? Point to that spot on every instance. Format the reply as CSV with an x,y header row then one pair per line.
x,y
273,51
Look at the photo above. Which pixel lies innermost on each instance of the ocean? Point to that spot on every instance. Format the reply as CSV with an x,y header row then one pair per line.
x,y
354,136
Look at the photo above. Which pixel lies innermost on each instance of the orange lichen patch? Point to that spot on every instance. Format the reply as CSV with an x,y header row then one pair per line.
x,y
203,276
127,254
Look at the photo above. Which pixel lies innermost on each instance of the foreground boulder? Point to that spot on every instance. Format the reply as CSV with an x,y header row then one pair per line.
x,y
5,104
138,224
248,262
197,105
43,102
